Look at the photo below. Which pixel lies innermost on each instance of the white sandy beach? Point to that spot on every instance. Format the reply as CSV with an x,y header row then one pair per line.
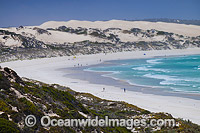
x,y
45,70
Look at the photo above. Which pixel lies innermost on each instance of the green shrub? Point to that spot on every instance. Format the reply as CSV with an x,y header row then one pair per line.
x,y
1,76
7,126
28,107
3,106
160,33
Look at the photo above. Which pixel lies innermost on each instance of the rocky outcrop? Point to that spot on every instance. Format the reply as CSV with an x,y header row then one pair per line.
x,y
41,31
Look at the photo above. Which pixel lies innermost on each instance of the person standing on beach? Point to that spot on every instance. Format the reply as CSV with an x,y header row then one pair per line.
x,y
103,89
124,89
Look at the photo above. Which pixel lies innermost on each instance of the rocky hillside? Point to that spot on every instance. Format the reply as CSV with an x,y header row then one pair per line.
x,y
20,97
53,39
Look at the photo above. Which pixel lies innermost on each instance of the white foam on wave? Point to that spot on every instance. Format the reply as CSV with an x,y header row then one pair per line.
x,y
89,70
125,64
198,68
182,90
164,77
112,72
165,82
154,61
132,83
170,80
143,68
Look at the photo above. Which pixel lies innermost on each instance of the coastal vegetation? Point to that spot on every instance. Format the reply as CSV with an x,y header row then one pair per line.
x,y
20,97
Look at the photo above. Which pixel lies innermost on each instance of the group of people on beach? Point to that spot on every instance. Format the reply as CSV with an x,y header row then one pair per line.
x,y
80,65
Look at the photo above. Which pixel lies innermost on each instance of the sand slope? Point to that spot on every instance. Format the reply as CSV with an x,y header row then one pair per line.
x,y
188,30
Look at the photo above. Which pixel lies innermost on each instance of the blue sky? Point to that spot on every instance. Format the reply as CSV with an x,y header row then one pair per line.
x,y
35,12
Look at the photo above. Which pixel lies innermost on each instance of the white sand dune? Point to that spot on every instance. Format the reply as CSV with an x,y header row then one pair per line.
x,y
182,29
59,37
62,37
46,70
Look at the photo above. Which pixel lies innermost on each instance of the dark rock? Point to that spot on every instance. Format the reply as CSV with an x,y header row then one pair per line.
x,y
41,31
136,30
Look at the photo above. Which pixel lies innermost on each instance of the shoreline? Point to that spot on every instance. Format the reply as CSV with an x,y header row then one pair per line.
x,y
46,70
100,78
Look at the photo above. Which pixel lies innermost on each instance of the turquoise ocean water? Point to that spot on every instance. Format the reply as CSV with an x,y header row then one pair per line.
x,y
173,73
